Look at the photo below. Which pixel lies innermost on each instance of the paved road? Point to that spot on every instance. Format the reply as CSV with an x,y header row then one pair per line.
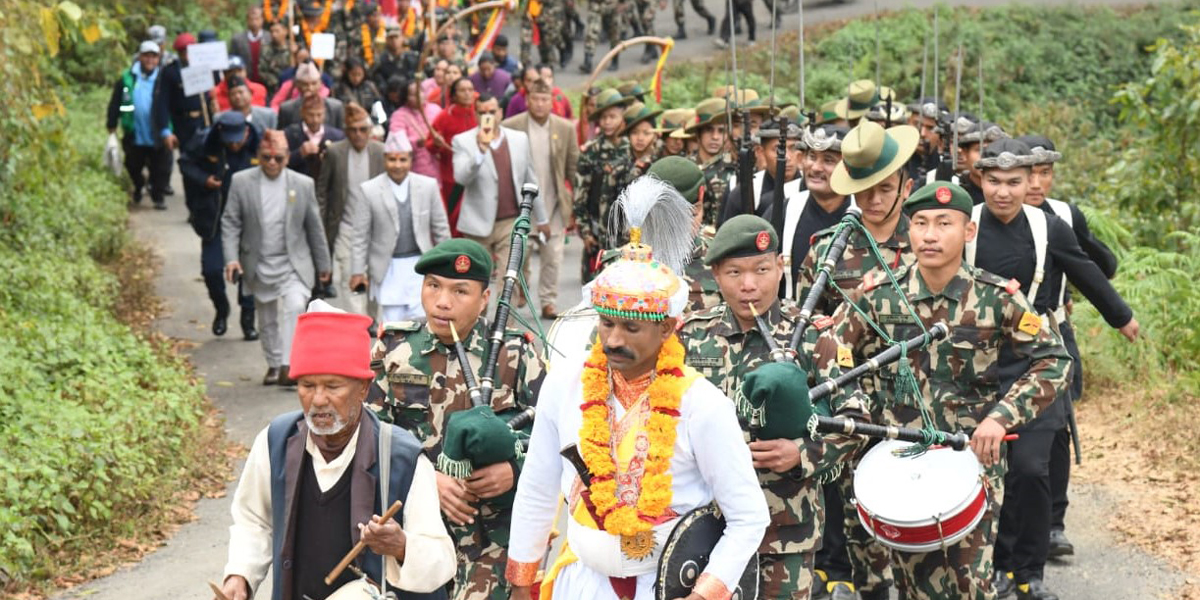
x,y
232,370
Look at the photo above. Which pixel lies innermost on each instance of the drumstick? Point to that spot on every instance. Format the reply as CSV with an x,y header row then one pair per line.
x,y
216,590
358,548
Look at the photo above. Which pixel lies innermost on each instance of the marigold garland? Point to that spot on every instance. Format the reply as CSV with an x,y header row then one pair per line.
x,y
268,15
665,394
369,43
320,27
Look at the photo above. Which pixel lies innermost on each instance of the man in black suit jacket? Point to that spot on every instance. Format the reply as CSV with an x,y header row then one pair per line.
x,y
308,138
308,81
248,44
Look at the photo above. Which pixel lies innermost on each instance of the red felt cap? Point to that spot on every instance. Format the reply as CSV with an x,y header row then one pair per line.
x,y
183,40
329,343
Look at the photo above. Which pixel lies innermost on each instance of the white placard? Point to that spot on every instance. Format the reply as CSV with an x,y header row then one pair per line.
x,y
323,45
196,80
209,55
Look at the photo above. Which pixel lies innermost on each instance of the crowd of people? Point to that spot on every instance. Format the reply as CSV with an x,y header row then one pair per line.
x,y
387,182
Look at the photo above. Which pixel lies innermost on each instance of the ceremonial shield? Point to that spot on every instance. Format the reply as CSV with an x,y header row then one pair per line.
x,y
687,552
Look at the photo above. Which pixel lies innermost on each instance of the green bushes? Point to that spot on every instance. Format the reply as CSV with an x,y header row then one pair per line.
x,y
97,425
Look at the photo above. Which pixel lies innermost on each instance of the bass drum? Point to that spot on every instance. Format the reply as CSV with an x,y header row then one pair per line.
x,y
359,589
919,503
571,336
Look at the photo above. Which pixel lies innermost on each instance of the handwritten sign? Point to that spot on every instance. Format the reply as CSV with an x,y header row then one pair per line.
x,y
196,80
209,55
323,45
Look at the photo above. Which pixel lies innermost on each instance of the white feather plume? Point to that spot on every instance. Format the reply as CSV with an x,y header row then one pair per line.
x,y
664,216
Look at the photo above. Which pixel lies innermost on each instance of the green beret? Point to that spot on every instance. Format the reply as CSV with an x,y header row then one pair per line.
x,y
938,195
457,258
774,401
475,437
684,175
743,235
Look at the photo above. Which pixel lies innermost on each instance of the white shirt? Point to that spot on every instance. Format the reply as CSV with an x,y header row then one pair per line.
x,y
429,559
540,150
711,461
399,190
358,171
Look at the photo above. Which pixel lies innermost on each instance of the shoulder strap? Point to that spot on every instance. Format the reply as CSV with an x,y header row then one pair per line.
x,y
1063,210
976,215
1037,226
793,209
385,475
758,183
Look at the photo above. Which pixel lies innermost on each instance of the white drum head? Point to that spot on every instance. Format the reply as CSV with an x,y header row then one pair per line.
x,y
916,490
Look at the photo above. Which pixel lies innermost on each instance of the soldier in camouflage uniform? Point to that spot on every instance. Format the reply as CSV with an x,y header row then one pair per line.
x,y
597,178
724,345
346,24
422,384
717,164
687,179
957,379
606,15
698,6
275,56
549,18
872,170
644,146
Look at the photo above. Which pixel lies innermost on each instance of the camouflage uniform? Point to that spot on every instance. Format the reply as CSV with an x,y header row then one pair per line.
x,y
643,12
420,386
960,387
717,173
271,62
702,286
697,5
636,168
597,185
870,560
347,26
718,348
602,14
550,21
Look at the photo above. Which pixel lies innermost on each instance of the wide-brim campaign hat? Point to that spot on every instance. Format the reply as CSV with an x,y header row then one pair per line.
x,y
828,112
863,95
606,99
870,154
707,113
675,119
638,112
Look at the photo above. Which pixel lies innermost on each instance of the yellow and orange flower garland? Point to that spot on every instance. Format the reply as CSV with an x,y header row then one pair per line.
x,y
269,16
595,437
321,26
369,43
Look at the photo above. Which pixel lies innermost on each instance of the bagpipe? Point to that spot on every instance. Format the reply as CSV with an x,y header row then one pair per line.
x,y
476,437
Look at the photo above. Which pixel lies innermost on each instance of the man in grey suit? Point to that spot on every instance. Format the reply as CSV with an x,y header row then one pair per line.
x,y
492,163
308,81
248,44
401,217
554,154
348,164
261,118
272,238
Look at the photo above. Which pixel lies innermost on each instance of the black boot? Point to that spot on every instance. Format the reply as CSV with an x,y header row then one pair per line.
x,y
1035,590
1003,582
615,64
566,53
219,326
681,33
586,66
1059,544
712,23
249,333
649,55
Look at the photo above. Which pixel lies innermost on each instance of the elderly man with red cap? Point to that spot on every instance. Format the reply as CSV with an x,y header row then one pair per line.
x,y
317,480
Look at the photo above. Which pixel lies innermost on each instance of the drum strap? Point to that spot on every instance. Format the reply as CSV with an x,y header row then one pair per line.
x,y
385,476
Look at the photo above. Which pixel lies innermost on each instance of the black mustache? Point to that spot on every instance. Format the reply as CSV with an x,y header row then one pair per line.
x,y
618,352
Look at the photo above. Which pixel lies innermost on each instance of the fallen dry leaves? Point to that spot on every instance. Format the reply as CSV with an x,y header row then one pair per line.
x,y
1143,447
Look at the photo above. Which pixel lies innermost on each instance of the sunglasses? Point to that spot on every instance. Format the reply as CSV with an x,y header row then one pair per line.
x,y
279,158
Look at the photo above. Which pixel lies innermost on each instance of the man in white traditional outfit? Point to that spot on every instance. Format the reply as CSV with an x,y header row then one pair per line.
x,y
658,440
317,479
401,218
